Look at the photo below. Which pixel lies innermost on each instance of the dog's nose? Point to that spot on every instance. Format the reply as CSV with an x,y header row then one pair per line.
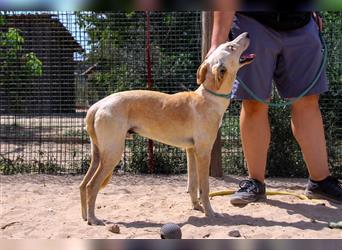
x,y
247,34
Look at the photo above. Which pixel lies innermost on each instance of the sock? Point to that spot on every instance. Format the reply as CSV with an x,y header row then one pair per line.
x,y
318,182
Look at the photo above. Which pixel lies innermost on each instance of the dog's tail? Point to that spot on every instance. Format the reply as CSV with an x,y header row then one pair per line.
x,y
95,153
89,122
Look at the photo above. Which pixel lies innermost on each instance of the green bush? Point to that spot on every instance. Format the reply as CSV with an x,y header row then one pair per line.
x,y
16,67
284,157
20,166
168,160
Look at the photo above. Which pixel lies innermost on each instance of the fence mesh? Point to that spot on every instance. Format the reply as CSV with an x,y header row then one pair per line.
x,y
54,65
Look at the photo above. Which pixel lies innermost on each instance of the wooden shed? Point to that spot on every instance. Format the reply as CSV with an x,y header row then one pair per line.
x,y
54,45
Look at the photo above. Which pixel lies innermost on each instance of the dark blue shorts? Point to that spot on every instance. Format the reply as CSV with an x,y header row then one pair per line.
x,y
290,58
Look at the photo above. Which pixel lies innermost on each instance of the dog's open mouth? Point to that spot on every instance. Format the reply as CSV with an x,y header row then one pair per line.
x,y
247,58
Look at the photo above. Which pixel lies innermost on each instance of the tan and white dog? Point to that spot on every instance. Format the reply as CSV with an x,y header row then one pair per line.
x,y
188,120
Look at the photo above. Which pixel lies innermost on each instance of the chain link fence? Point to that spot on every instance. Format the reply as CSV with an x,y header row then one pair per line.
x,y
54,65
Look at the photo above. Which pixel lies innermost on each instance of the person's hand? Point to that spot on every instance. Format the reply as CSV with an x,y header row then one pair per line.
x,y
319,20
212,48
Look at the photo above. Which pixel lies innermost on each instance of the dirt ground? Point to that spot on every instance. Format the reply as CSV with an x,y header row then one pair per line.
x,y
48,207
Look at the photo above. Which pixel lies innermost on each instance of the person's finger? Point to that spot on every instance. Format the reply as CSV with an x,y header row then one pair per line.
x,y
319,20
210,52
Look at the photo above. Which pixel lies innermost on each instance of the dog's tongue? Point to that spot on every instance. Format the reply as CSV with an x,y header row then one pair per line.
x,y
248,56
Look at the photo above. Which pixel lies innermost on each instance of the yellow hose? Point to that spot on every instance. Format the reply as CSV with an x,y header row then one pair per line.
x,y
229,192
335,225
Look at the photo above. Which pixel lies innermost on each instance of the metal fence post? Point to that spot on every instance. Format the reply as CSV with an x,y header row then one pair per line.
x,y
150,155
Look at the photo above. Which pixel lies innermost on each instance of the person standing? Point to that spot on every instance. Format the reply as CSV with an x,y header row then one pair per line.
x,y
289,52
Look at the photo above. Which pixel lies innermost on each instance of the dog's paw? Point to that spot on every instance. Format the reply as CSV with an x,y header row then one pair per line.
x,y
84,216
198,207
210,214
213,214
218,215
95,221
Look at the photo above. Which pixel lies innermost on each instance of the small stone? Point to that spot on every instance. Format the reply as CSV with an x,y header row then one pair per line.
x,y
206,235
234,233
114,228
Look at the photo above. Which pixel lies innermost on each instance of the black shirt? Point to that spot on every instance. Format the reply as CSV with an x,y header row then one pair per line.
x,y
281,21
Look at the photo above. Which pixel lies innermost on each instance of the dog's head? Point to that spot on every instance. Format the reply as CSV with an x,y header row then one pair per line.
x,y
222,65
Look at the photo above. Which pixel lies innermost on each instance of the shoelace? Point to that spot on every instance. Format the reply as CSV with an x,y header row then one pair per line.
x,y
249,186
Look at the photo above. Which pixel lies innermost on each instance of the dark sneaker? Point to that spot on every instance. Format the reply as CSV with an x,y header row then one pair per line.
x,y
250,191
329,189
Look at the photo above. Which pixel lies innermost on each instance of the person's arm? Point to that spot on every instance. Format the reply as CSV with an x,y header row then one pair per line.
x,y
222,22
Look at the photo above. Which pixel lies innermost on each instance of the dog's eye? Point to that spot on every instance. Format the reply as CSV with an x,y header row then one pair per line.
x,y
222,71
231,47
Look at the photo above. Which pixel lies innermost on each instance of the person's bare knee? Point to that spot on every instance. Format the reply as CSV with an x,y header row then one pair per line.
x,y
252,107
306,103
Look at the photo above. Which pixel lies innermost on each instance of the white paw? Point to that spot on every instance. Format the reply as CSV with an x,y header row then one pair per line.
x,y
198,207
95,221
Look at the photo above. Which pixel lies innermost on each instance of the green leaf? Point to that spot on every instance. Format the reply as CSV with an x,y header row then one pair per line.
x,y
33,64
2,20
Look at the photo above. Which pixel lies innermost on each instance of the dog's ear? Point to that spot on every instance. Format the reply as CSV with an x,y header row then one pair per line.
x,y
202,72
219,73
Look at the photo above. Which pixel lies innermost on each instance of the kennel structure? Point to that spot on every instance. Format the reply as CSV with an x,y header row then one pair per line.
x,y
88,55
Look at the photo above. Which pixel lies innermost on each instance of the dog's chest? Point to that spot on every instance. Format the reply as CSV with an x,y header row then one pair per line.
x,y
220,124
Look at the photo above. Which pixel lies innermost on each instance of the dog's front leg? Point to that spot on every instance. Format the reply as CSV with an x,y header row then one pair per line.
x,y
202,157
192,179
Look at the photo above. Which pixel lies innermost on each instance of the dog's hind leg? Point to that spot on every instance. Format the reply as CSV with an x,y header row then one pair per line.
x,y
110,157
95,160
192,179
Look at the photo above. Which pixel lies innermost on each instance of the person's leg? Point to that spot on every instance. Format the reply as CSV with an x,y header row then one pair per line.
x,y
255,137
254,124
307,127
297,66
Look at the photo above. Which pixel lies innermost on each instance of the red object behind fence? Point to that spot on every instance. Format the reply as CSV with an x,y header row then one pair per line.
x,y
150,156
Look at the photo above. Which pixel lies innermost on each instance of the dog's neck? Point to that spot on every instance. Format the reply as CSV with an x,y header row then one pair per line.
x,y
218,101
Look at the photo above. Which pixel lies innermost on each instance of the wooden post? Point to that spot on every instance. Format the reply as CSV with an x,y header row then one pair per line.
x,y
216,153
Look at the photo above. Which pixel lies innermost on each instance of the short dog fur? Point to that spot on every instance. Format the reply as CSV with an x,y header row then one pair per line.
x,y
188,120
